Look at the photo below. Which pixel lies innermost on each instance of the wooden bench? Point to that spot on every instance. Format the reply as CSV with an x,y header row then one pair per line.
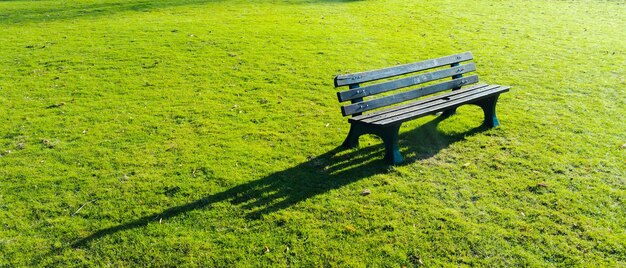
x,y
385,123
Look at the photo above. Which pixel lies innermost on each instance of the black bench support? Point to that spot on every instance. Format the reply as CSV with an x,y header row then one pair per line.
x,y
389,135
452,111
489,109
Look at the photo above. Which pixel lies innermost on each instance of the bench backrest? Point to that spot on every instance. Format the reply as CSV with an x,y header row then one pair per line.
x,y
358,92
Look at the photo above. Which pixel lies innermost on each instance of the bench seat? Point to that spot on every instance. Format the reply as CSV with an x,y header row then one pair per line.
x,y
432,105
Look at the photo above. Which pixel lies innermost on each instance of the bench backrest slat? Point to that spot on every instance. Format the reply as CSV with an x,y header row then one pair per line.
x,y
356,78
364,106
404,82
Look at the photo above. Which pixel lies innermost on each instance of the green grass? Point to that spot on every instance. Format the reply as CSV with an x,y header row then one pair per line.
x,y
173,132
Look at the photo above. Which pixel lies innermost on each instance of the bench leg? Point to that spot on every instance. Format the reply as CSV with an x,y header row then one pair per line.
x,y
389,135
390,138
352,141
448,113
489,108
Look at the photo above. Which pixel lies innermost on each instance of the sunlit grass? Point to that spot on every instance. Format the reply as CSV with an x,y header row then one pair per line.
x,y
199,132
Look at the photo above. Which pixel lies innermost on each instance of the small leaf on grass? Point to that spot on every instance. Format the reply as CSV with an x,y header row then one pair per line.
x,y
266,249
56,105
623,146
538,188
47,143
366,192
350,229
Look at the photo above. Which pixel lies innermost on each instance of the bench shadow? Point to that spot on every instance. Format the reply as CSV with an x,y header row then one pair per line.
x,y
426,140
332,170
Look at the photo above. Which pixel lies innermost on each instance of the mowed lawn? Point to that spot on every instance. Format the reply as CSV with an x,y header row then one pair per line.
x,y
207,133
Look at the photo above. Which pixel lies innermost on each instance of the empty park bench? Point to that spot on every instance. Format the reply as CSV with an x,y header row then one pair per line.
x,y
386,122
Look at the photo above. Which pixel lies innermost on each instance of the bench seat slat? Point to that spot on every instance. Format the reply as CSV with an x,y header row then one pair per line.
x,y
443,106
342,80
404,82
420,111
396,110
407,95
427,103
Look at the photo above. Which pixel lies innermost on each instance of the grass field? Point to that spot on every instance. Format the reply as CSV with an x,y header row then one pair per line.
x,y
197,132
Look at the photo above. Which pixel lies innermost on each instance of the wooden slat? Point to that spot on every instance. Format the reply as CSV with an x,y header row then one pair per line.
x,y
404,82
400,109
405,96
342,80
353,86
422,111
444,105
426,103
